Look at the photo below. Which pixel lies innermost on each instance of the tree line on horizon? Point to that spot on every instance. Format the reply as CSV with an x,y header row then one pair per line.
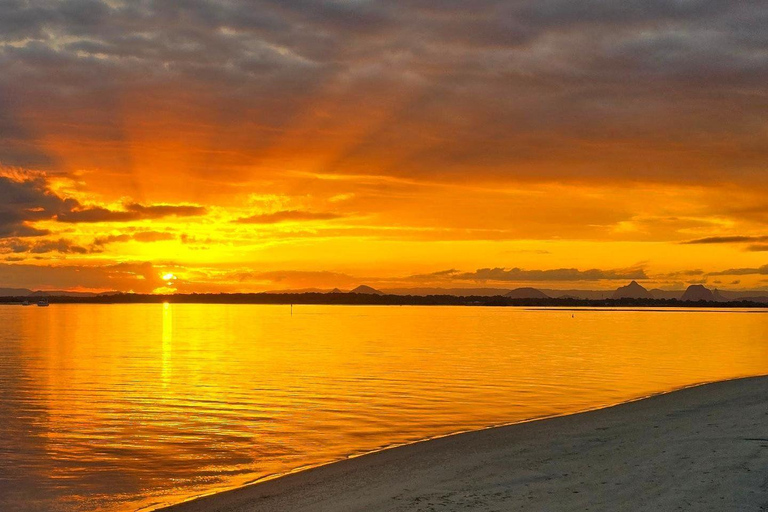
x,y
342,298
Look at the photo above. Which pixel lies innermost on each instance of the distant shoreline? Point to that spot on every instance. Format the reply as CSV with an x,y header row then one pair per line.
x,y
349,299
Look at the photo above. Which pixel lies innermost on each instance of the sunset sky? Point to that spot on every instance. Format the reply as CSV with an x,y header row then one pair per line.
x,y
157,146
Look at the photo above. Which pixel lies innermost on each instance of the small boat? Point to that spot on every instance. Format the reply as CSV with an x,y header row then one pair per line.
x,y
43,303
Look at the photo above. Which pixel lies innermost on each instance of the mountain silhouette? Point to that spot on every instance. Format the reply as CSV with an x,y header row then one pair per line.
x,y
697,292
526,293
632,291
25,292
367,290
336,290
15,292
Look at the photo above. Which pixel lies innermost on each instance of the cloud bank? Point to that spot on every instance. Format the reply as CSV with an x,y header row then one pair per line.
x,y
519,90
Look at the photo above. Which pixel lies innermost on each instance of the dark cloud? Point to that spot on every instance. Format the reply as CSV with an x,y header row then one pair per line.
x,y
560,274
61,246
757,248
727,240
287,216
742,271
18,143
132,212
97,214
682,274
141,236
27,200
600,89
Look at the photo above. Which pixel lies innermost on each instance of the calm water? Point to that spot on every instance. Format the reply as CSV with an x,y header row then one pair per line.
x,y
116,407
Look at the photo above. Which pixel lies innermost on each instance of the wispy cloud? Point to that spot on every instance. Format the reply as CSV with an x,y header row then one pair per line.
x,y
500,274
742,271
141,236
726,240
288,216
61,246
28,199
132,212
559,274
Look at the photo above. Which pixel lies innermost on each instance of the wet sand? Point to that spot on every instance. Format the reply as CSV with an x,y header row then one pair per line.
x,y
701,448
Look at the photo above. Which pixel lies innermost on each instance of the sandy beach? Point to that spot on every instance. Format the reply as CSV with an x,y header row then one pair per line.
x,y
701,448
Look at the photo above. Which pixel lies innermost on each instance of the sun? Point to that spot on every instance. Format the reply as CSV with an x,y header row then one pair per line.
x,y
168,277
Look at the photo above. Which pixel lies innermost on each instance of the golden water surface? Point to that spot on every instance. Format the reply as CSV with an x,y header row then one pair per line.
x,y
118,407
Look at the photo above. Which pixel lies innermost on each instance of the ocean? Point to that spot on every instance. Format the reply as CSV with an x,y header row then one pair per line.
x,y
127,407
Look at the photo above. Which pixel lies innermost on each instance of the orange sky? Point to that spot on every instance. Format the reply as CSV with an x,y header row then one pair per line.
x,y
246,146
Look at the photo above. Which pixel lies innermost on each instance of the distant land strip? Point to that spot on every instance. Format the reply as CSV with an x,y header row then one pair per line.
x,y
379,300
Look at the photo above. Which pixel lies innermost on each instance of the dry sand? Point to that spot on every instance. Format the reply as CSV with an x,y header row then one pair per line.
x,y
703,448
